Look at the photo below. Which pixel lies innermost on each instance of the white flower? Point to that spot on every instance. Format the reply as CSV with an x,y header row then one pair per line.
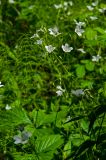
x,y
1,85
22,138
90,8
96,58
77,92
54,31
31,7
79,31
102,10
65,4
79,24
93,18
58,6
39,42
8,107
67,48
68,119
78,28
11,1
70,3
59,91
81,50
49,48
94,4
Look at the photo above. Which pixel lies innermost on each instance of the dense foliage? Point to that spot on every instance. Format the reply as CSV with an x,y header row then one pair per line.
x,y
52,80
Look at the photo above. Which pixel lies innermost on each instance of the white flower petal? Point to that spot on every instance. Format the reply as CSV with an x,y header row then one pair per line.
x,y
8,107
67,48
94,4
54,31
96,58
58,6
77,92
102,10
59,93
81,50
11,1
39,42
1,85
17,139
50,48
79,31
90,8
59,90
93,18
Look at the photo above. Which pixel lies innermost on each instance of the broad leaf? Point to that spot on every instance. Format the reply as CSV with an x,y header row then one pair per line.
x,y
46,146
80,71
11,118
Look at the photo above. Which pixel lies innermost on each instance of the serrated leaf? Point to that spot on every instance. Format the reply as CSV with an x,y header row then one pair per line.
x,y
46,146
42,118
13,117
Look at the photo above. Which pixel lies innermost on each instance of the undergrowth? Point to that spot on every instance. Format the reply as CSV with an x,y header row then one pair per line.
x,y
52,80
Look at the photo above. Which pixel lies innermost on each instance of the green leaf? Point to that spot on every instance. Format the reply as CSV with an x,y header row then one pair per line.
x,y
11,83
80,71
104,89
86,84
13,117
7,50
19,156
46,146
77,139
100,30
90,66
90,34
67,149
84,125
83,148
42,118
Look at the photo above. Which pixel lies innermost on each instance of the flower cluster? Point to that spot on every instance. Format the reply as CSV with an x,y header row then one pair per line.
x,y
93,4
65,5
